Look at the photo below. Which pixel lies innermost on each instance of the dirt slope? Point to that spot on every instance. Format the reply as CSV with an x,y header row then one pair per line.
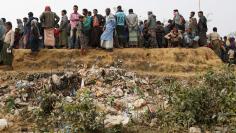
x,y
176,61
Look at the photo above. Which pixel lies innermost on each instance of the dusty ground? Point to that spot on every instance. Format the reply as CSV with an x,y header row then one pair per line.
x,y
162,62
177,62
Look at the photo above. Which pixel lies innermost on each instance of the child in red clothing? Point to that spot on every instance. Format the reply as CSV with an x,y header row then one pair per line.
x,y
56,35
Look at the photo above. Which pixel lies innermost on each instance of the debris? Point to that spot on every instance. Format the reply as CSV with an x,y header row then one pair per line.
x,y
3,124
194,130
113,120
56,80
139,103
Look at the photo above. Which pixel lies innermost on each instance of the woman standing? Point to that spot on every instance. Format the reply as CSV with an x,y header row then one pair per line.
x,y
6,53
34,37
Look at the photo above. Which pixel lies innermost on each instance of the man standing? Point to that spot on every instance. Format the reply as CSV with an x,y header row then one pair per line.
x,y
98,22
28,29
151,24
202,28
160,34
63,39
178,20
74,19
193,23
107,35
132,23
120,26
49,19
214,38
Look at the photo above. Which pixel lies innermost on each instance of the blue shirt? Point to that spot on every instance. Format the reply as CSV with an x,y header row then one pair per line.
x,y
120,18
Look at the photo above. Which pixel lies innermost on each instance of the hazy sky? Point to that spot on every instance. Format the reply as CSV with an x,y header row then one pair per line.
x,y
222,13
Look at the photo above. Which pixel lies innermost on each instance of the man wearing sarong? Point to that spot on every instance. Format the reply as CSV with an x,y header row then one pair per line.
x,y
98,22
202,29
120,27
214,38
6,53
151,23
49,19
63,39
132,23
107,35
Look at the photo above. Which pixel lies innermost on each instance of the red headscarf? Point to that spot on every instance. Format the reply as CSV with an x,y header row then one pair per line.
x,y
48,8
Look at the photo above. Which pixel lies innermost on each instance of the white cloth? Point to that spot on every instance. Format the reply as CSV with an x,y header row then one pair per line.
x,y
107,44
9,37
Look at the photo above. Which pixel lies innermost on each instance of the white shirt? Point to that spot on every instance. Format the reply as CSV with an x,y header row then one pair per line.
x,y
9,37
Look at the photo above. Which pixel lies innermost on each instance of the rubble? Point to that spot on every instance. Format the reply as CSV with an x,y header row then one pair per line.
x,y
114,92
113,120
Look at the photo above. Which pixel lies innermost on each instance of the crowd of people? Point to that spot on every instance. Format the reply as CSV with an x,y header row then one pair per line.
x,y
119,30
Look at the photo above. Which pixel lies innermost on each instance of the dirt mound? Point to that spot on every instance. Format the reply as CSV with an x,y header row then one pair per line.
x,y
174,61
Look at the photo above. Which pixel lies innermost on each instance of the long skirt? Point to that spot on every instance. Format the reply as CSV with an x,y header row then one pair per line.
x,y
83,40
34,44
107,44
49,39
96,34
133,36
6,57
63,39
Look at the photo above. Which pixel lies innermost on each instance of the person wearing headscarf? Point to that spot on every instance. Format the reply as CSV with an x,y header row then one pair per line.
x,y
231,52
2,35
49,20
6,52
107,35
20,25
34,37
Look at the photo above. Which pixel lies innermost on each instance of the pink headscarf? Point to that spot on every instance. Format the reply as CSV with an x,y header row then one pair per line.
x,y
48,8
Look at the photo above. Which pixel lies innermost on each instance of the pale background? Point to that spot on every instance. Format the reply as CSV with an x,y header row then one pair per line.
x,y
221,13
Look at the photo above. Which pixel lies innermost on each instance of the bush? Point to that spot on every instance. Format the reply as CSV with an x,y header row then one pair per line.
x,y
210,102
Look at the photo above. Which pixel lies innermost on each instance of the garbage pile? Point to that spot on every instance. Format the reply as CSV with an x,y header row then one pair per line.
x,y
121,96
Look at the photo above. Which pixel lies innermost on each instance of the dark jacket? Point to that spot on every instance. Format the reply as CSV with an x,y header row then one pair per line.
x,y
202,24
49,19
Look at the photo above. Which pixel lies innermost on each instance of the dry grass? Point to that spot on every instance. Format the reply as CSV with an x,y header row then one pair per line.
x,y
173,61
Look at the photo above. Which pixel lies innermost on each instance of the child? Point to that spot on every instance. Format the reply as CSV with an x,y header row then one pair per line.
x,y
56,35
81,36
